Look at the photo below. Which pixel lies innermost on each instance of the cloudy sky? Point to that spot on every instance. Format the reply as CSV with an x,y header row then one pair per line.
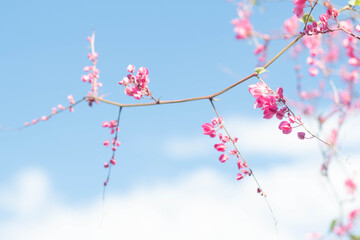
x,y
168,182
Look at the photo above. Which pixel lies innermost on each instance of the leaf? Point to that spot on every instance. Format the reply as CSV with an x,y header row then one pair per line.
x,y
260,70
355,237
332,225
311,19
354,2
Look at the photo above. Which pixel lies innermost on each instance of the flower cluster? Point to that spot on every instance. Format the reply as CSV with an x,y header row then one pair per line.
x,y
136,85
314,28
54,111
274,104
342,229
114,128
299,7
242,25
242,28
211,130
92,73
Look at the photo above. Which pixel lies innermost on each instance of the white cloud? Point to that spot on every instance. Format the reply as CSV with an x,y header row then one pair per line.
x,y
200,205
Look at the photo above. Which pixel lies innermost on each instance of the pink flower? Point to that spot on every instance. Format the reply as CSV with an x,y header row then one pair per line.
x,y
220,147
143,71
353,214
280,114
233,152
313,71
259,89
242,28
299,7
340,230
350,186
106,165
291,25
106,143
113,161
131,68
215,121
209,130
301,135
239,176
285,127
105,124
223,158
358,28
61,107
71,99
44,118
259,49
280,92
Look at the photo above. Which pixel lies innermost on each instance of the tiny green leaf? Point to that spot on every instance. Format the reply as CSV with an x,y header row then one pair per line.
x,y
332,225
311,19
260,70
354,2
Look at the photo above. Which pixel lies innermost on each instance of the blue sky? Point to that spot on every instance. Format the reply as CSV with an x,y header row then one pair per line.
x,y
189,48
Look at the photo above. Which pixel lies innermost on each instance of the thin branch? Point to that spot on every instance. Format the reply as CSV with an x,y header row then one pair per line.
x,y
251,171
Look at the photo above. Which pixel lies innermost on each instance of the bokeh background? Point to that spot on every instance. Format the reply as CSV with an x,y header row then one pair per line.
x,y
168,182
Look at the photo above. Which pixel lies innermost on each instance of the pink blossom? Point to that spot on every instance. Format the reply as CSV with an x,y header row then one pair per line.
x,y
353,214
105,124
259,89
239,176
208,130
242,28
299,7
350,186
131,68
240,164
345,97
220,147
340,230
117,143
291,25
358,28
53,110
285,127
301,135
313,71
215,121
106,165
44,118
223,158
280,114
71,99
113,161
61,107
259,49
233,152
106,143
